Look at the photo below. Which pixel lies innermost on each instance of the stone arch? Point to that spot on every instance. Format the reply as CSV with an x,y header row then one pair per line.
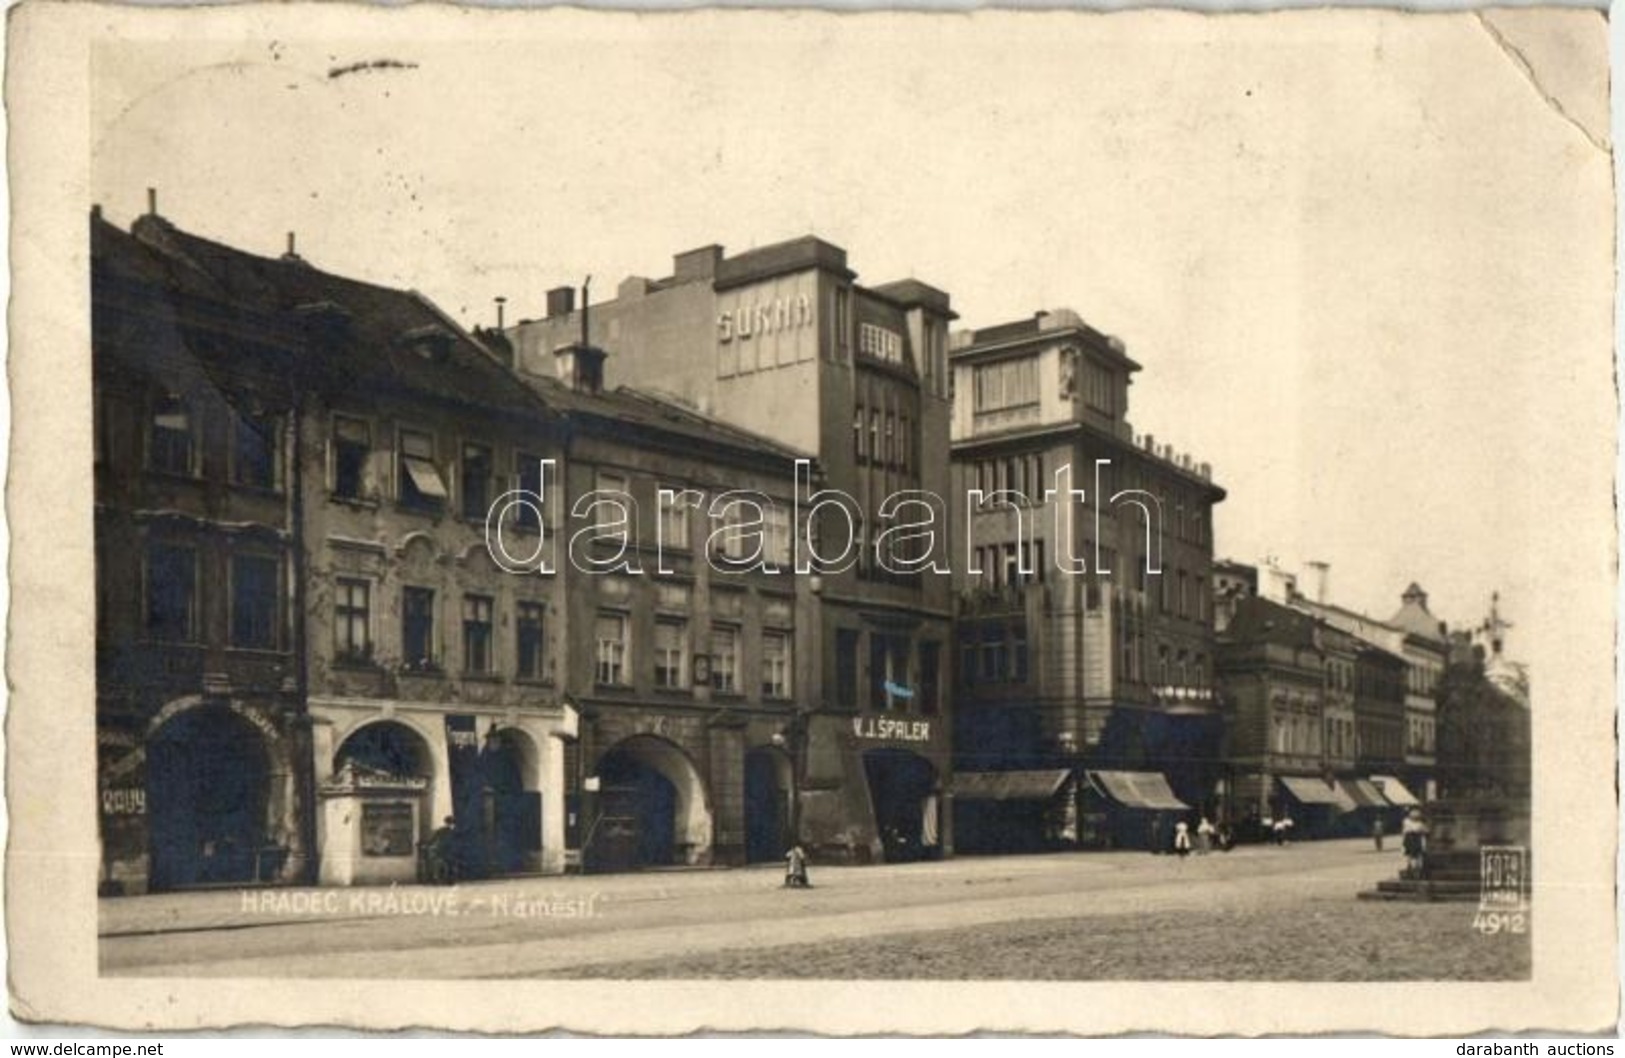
x,y
654,807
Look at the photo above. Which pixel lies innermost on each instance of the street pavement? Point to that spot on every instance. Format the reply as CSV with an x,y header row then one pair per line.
x,y
570,926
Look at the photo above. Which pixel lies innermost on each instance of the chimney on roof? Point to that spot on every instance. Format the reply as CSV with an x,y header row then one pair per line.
x,y
561,301
586,287
292,255
1322,572
501,301
95,211
152,201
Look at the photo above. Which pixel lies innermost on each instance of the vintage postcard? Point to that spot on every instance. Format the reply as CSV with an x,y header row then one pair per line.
x,y
940,521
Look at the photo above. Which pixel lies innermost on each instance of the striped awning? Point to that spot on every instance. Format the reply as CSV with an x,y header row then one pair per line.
x,y
1363,793
1009,785
1394,791
1311,791
1137,789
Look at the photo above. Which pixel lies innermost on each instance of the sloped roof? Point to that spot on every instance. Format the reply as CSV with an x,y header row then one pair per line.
x,y
1414,618
380,348
1261,620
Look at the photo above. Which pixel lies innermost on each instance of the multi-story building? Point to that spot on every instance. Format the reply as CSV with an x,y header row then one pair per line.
x,y
202,738
315,539
1426,651
694,663
782,342
1085,652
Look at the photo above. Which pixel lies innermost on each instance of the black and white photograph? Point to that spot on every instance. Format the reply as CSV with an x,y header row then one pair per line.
x,y
602,511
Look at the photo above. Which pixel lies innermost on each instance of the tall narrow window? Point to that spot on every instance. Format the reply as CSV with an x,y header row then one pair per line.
x,y
777,531
352,620
846,668
1018,652
352,448
529,649
671,654
674,521
930,676
612,633
475,483
255,601
477,626
775,665
528,474
417,630
725,659
172,439
256,452
420,484
172,593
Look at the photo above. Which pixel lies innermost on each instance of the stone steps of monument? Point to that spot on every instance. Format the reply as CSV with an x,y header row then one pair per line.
x,y
1430,889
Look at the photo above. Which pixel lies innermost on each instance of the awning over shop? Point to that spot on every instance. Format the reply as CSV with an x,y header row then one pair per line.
x,y
1311,791
1394,791
1009,785
1363,793
1137,789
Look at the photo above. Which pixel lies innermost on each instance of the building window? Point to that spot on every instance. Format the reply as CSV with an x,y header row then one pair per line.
x,y
611,514
888,670
859,449
255,601
528,473
671,654
529,645
477,634
256,451
968,662
843,321
352,448
417,630
890,457
930,676
846,668
172,593
172,441
775,665
1008,384
776,524
475,485
725,659
352,620
612,632
420,485
995,655
674,521
1018,653
880,343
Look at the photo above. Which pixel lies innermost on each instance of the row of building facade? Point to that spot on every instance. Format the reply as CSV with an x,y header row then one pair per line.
x,y
610,588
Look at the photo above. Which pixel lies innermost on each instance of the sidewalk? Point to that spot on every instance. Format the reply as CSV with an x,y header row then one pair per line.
x,y
249,908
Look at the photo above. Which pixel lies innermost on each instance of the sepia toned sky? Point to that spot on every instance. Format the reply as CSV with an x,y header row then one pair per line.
x,y
1364,258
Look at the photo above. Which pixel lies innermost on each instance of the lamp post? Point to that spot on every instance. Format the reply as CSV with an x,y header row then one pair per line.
x,y
792,738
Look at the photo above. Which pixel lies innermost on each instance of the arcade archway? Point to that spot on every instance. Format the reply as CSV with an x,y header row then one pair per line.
x,y
208,787
652,808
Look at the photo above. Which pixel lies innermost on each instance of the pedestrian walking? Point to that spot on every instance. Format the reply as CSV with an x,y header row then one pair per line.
x,y
1204,836
440,853
1182,839
1278,832
1377,832
1414,838
795,872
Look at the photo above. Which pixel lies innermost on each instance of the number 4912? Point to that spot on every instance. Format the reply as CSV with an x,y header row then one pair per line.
x,y
1490,923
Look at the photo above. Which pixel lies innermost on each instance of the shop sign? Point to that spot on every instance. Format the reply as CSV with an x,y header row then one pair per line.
x,y
124,801
885,729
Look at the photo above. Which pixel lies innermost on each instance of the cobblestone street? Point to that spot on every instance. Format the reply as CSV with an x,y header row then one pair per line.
x,y
1255,913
